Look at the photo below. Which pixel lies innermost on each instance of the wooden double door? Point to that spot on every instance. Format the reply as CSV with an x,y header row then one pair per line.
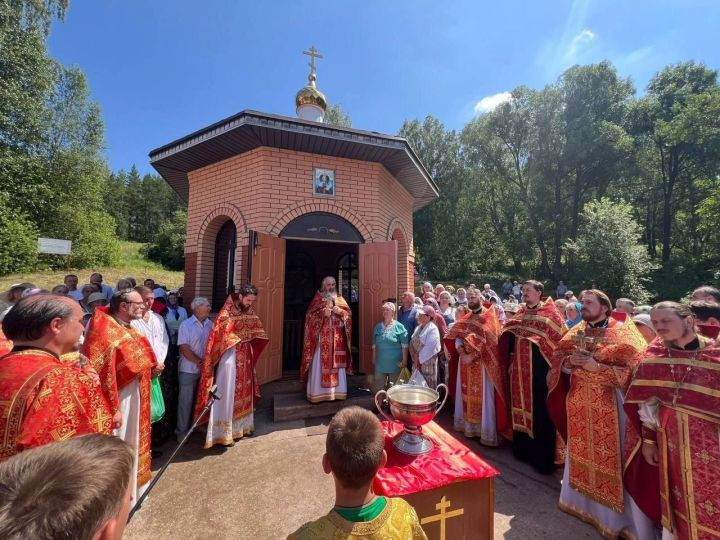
x,y
377,282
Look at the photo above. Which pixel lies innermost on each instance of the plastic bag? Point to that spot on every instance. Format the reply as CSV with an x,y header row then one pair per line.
x,y
157,403
417,379
404,376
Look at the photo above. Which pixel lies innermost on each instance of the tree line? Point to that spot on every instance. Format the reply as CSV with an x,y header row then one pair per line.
x,y
54,179
582,181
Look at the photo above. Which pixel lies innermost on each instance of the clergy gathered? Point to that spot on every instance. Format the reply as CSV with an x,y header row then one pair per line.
x,y
629,419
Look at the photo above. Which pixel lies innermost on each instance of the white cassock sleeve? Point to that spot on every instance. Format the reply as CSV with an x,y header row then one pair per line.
x,y
648,412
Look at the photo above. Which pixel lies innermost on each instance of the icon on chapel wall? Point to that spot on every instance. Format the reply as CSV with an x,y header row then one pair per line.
x,y
323,182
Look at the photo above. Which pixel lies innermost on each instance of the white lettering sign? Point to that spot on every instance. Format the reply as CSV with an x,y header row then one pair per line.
x,y
54,246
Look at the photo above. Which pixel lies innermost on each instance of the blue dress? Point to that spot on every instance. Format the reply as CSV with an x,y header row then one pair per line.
x,y
388,343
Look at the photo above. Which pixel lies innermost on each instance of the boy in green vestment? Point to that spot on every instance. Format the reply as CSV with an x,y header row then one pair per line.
x,y
354,451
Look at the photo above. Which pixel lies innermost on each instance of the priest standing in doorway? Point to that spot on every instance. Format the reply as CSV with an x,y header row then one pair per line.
x,y
326,351
236,341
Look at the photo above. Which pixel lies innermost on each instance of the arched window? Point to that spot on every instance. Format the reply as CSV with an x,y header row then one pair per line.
x,y
224,271
348,277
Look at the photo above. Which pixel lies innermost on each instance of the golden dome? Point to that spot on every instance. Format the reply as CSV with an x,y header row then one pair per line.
x,y
310,95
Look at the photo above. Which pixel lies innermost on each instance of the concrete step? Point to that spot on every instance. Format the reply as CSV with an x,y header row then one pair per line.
x,y
295,406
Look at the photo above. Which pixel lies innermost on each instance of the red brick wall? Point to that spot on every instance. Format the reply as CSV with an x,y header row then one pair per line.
x,y
266,188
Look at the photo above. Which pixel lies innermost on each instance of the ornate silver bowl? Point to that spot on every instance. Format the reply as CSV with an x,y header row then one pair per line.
x,y
413,406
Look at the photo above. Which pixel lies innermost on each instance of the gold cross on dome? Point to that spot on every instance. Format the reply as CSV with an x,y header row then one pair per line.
x,y
443,515
313,53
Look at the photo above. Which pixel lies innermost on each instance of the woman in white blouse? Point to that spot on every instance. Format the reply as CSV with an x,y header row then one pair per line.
x,y
425,346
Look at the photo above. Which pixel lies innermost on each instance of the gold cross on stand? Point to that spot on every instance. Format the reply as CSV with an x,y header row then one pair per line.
x,y
442,516
313,54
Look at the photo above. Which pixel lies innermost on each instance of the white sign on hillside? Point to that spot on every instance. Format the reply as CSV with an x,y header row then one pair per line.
x,y
54,246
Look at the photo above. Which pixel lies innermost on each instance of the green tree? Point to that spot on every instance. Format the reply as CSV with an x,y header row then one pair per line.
x,y
680,151
115,202
599,148
168,245
439,150
336,116
609,253
18,249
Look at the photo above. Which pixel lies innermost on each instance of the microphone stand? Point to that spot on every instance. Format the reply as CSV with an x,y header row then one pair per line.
x,y
213,395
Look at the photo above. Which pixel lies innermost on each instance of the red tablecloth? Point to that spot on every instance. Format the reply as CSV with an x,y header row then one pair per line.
x,y
449,461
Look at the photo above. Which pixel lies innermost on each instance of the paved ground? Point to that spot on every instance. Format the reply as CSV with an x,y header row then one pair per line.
x,y
268,485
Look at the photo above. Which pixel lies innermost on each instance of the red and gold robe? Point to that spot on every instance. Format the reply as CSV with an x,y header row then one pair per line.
x,y
687,385
43,400
334,334
585,410
120,354
244,332
480,333
542,326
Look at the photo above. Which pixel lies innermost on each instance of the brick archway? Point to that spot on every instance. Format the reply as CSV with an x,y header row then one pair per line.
x,y
201,276
288,214
225,211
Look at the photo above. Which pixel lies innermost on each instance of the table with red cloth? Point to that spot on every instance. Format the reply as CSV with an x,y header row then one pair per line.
x,y
451,487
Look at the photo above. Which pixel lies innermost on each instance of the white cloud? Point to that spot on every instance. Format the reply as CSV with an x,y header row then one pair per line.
x,y
488,103
584,37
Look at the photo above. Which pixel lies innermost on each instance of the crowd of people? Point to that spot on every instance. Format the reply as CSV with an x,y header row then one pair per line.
x,y
127,363
623,398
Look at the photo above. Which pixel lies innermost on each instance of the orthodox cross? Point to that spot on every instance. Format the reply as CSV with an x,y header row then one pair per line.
x,y
443,515
313,54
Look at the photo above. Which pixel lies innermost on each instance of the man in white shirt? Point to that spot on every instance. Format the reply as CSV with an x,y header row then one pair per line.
x,y
97,279
192,339
152,326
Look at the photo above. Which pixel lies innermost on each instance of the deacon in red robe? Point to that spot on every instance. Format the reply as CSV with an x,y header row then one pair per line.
x,y
42,399
526,349
675,394
125,362
236,341
481,385
592,367
326,355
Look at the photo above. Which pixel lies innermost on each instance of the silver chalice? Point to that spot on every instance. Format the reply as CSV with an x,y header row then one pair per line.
x,y
413,406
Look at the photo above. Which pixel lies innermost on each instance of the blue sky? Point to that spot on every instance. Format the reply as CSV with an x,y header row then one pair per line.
x,y
161,69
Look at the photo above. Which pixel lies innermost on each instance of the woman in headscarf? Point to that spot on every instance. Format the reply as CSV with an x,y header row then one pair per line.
x,y
572,314
425,345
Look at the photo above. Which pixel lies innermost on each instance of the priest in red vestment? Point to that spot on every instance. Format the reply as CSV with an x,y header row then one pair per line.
x,y
42,399
125,362
481,392
326,352
526,349
592,367
676,395
236,341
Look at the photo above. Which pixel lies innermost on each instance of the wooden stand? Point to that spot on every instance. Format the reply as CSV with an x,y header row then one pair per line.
x,y
451,488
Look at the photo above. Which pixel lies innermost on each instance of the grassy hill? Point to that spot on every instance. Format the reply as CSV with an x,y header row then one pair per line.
x,y
132,264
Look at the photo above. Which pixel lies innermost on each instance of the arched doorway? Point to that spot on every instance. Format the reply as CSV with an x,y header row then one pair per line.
x,y
224,265
318,244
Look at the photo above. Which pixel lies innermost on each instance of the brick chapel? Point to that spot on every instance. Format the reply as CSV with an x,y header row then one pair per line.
x,y
282,202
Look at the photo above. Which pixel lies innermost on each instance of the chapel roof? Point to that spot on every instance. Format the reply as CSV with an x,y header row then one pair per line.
x,y
248,130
